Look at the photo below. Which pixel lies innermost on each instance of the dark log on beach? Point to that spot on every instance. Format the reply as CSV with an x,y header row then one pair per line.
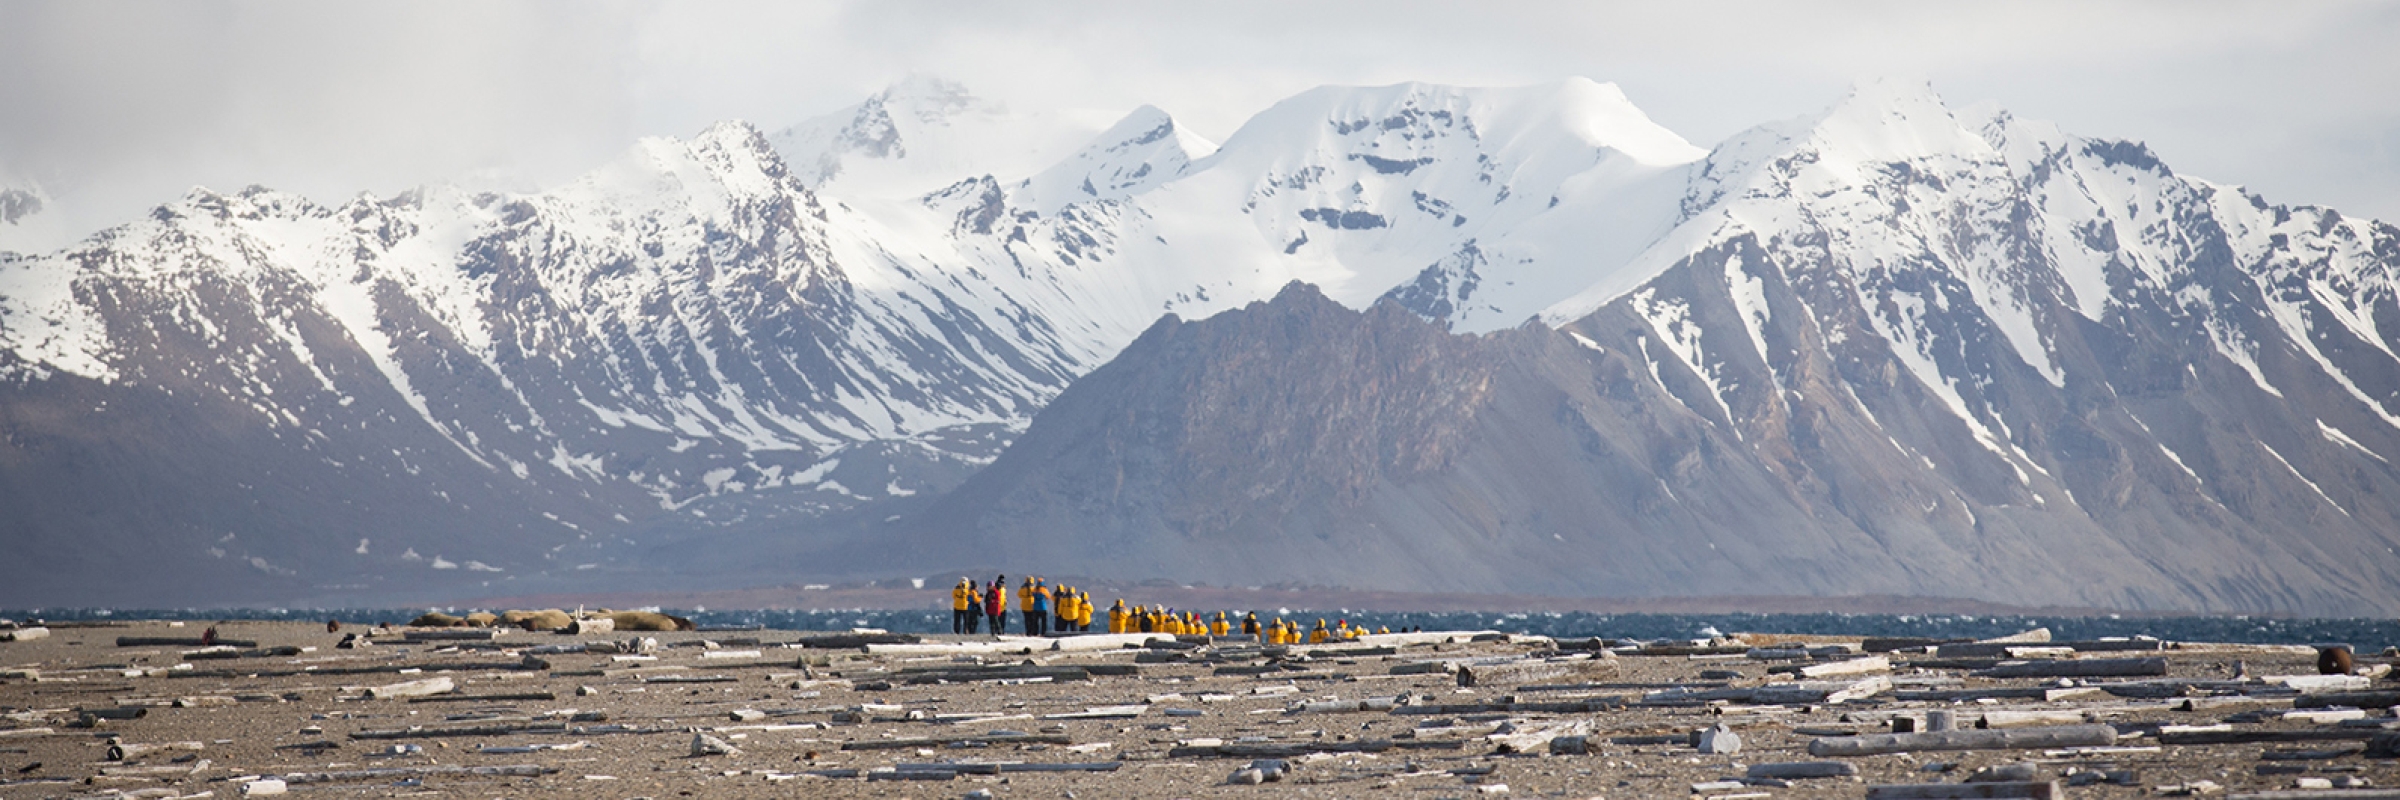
x,y
2078,668
179,641
994,674
2011,739
486,698
946,741
2262,735
2041,790
2372,699
455,635
397,773
855,641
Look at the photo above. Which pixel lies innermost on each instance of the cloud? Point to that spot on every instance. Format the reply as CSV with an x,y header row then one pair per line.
x,y
116,107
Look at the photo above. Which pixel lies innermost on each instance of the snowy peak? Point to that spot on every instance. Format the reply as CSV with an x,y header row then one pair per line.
x,y
1893,120
920,135
1143,150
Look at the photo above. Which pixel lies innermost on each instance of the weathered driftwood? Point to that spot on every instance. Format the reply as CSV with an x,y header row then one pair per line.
x,y
1691,650
1297,749
1530,671
486,698
2078,668
1886,644
2042,790
421,688
1252,670
1344,706
1424,668
1009,645
1101,712
1804,769
520,665
454,635
2374,699
1990,649
224,652
1428,637
1856,666
397,773
1005,673
2030,718
855,641
946,741
1000,767
2321,794
119,751
2012,739
179,641
509,728
2259,735
674,678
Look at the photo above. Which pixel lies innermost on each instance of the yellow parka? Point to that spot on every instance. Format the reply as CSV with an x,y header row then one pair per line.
x,y
1117,616
960,594
1025,595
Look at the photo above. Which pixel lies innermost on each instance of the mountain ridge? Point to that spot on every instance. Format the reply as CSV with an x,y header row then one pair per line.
x,y
724,343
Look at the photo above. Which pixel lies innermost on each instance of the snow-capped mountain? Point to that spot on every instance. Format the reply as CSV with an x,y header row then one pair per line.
x,y
922,134
1888,349
1942,342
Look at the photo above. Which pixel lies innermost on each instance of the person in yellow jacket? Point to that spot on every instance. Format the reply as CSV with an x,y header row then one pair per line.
x,y
1318,635
1062,610
1220,627
1383,629
961,597
1118,616
1143,621
1250,624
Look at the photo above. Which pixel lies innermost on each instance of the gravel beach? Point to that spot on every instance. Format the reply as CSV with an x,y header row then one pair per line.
x,y
125,709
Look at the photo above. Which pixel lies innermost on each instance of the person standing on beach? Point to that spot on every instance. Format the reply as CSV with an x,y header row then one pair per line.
x,y
1037,621
974,607
1025,606
995,605
961,596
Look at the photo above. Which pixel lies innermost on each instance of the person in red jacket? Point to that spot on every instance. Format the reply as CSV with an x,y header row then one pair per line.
x,y
995,604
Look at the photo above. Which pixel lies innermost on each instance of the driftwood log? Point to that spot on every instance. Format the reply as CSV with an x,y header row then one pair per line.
x,y
1531,671
2078,668
1938,791
946,741
2011,739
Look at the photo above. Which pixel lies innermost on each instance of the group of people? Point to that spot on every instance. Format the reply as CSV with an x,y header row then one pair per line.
x,y
1045,609
1066,609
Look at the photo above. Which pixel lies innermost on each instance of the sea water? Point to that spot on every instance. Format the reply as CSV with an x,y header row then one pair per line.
x,y
2364,635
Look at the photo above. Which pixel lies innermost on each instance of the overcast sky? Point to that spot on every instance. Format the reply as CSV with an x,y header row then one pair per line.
x,y
119,106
